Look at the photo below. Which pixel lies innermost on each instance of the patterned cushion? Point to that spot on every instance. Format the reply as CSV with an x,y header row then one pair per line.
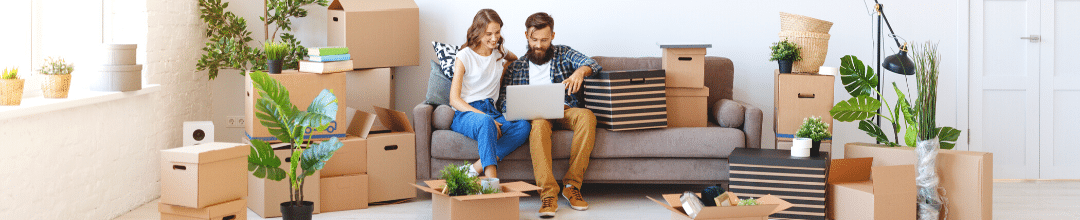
x,y
446,54
438,89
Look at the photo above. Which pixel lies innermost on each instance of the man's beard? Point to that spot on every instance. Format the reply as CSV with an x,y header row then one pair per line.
x,y
531,55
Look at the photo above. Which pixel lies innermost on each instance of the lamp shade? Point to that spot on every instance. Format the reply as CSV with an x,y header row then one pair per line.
x,y
899,63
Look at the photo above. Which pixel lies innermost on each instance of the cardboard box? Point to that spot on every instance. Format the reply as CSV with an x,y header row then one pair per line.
x,y
234,210
370,87
265,196
798,180
688,107
344,192
350,159
799,96
492,206
685,65
378,33
859,191
203,175
966,176
391,155
767,205
303,88
628,100
826,146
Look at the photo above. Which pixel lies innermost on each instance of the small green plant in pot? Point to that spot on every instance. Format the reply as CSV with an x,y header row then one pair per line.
x,y
287,123
785,53
57,74
275,55
816,130
11,87
458,181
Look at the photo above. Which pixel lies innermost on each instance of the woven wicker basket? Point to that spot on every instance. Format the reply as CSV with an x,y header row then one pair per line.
x,y
794,22
56,86
814,47
11,91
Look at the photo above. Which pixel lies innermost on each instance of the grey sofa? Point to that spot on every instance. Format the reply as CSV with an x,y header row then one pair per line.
x,y
670,155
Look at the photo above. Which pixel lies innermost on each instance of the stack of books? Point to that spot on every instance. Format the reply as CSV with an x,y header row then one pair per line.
x,y
327,60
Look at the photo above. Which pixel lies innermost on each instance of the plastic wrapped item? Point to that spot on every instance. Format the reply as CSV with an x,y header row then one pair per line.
x,y
691,204
929,201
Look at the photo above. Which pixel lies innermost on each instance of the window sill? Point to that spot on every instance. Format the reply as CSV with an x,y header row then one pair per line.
x,y
37,105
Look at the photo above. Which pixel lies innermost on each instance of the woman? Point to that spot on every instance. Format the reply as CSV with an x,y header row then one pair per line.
x,y
474,89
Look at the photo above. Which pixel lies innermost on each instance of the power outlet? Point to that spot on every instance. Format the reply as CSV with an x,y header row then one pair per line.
x,y
234,122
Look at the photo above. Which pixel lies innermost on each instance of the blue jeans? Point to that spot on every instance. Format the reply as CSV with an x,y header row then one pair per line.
x,y
481,127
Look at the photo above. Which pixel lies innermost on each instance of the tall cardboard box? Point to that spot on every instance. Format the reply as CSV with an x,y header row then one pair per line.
x,y
966,176
688,107
350,159
859,191
233,210
628,100
202,175
767,205
265,196
378,33
391,156
370,87
344,192
799,96
303,88
491,206
685,64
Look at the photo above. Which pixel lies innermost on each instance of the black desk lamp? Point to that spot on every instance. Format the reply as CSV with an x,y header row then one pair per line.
x,y
898,63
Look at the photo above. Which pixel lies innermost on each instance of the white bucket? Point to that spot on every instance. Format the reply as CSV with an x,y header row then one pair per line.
x,y
117,78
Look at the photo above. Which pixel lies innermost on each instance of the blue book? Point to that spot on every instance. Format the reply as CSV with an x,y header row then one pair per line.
x,y
329,58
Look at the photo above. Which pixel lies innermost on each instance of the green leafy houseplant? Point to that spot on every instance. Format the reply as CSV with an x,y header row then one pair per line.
x,y
814,129
288,123
860,81
458,181
785,50
229,41
56,66
276,50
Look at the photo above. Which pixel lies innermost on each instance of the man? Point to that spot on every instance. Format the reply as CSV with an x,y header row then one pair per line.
x,y
545,64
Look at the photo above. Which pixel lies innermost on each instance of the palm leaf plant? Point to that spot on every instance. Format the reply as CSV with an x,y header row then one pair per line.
x,y
287,123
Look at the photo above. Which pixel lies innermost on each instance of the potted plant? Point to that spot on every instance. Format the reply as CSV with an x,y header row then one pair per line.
x,y
458,181
288,123
275,56
11,87
816,130
57,73
785,53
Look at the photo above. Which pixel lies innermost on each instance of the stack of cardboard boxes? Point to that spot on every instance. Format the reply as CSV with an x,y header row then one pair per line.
x,y
799,96
205,181
687,96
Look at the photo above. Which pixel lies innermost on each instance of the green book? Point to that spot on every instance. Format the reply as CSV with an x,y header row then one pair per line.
x,y
326,51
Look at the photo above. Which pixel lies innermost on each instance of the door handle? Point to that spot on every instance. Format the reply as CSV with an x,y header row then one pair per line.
x,y
1032,38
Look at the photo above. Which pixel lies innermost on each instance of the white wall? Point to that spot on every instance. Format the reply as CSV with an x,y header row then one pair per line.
x,y
739,30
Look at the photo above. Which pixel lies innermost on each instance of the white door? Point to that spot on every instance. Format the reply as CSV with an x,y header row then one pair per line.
x,y
1059,98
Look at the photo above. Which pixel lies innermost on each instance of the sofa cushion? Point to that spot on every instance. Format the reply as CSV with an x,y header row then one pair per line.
x,y
702,142
438,88
442,117
728,113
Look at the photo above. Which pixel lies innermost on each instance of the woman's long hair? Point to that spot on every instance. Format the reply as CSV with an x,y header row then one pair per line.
x,y
479,26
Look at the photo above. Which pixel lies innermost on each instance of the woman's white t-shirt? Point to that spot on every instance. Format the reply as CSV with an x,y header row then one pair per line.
x,y
483,74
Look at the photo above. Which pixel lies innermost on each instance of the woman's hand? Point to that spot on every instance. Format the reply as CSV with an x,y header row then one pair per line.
x,y
498,129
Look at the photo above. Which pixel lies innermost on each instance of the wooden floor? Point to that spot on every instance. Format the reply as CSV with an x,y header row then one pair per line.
x,y
1012,200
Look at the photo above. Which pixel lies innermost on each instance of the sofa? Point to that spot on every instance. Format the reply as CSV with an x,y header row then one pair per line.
x,y
653,156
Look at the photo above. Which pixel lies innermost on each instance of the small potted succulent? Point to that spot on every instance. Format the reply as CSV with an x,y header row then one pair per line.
x,y
57,74
816,130
11,87
785,53
275,56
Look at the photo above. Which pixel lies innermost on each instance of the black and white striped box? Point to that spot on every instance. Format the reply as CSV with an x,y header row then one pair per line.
x,y
627,100
799,180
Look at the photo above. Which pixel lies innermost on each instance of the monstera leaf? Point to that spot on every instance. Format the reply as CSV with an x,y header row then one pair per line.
x,y
858,79
263,163
275,111
855,109
321,112
875,131
315,157
948,137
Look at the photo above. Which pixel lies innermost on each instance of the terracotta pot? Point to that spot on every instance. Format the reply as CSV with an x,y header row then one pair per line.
x,y
56,86
11,91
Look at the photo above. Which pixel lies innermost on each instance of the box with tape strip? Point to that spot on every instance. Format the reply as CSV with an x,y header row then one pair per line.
x,y
627,100
798,180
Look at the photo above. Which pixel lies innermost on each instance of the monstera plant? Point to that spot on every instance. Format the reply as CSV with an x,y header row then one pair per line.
x,y
288,123
861,82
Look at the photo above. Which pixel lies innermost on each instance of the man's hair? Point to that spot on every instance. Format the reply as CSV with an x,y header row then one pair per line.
x,y
539,21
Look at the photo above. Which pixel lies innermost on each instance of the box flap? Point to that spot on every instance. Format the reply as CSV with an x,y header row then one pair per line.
x,y
205,153
395,120
371,5
427,189
894,179
849,170
770,199
520,186
672,209
687,92
360,123
209,212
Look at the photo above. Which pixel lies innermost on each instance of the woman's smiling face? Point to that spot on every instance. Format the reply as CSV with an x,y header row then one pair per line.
x,y
491,35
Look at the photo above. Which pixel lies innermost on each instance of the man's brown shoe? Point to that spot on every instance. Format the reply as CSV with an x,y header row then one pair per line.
x,y
573,196
549,206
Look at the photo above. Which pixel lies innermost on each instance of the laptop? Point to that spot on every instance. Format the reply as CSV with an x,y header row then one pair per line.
x,y
530,102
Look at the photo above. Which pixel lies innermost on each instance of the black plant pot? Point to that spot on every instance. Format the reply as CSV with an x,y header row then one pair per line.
x,y
274,66
303,212
815,149
785,65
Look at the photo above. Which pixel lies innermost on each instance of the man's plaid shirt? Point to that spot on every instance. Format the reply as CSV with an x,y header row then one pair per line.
x,y
563,64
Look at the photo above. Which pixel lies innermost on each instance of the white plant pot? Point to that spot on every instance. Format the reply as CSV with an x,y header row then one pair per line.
x,y
118,78
118,54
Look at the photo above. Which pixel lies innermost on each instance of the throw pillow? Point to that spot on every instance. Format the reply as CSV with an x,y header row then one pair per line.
x,y
446,54
438,89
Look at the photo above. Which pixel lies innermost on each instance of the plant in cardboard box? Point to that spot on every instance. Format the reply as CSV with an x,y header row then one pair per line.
x,y
228,46
275,54
57,74
816,130
458,181
785,53
11,87
288,123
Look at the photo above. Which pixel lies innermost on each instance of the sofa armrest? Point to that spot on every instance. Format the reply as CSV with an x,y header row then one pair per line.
x,y
750,118
422,127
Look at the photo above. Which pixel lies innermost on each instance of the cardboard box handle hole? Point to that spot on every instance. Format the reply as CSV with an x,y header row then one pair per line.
x,y
637,81
335,18
391,147
806,95
179,167
230,217
686,58
288,159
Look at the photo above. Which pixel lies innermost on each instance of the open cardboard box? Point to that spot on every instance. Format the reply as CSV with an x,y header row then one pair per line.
x,y
391,155
767,205
502,205
234,210
859,191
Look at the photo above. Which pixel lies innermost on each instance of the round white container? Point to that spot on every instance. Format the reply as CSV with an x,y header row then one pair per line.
x,y
118,54
117,78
